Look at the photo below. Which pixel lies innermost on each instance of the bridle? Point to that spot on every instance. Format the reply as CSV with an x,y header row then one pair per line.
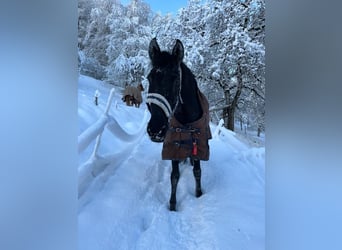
x,y
162,102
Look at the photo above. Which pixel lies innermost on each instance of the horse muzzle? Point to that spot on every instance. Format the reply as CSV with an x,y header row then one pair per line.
x,y
158,136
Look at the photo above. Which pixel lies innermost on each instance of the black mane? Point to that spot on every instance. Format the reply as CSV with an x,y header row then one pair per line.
x,y
190,110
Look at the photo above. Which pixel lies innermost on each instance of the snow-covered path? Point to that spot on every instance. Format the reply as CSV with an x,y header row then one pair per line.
x,y
126,205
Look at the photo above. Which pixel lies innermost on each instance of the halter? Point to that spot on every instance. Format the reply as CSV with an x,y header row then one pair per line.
x,y
162,102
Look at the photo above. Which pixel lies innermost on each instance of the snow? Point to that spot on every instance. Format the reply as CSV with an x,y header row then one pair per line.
x,y
124,188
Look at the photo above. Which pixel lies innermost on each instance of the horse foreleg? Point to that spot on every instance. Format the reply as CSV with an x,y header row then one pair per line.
x,y
197,175
174,181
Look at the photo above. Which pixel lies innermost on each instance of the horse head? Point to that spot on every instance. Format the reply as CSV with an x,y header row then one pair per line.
x,y
164,87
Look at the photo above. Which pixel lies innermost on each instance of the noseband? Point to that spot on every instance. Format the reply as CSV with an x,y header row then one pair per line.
x,y
162,102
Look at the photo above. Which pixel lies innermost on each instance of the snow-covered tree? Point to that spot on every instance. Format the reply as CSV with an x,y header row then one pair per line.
x,y
84,9
96,39
224,44
93,40
128,43
90,66
224,47
235,59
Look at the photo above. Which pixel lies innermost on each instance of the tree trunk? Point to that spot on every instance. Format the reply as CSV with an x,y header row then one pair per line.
x,y
233,104
259,131
226,110
225,117
231,112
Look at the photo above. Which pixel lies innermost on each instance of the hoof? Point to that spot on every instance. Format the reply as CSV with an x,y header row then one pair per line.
x,y
172,207
198,193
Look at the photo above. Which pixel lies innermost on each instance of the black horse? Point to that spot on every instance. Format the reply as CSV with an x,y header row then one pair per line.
x,y
179,113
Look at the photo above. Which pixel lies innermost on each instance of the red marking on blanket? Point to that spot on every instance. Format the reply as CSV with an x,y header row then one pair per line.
x,y
194,148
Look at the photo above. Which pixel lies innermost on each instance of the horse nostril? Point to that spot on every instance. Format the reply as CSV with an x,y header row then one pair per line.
x,y
149,131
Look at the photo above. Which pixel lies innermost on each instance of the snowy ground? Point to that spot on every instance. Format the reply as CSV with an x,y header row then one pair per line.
x,y
124,204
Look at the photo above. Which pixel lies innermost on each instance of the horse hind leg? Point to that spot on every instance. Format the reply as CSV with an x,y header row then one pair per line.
x,y
127,100
174,181
197,175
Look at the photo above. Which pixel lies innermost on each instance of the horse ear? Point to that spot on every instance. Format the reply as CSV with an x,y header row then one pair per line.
x,y
153,49
178,51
